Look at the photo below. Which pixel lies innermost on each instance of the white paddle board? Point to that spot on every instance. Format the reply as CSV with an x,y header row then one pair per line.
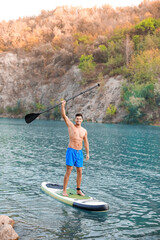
x,y
83,202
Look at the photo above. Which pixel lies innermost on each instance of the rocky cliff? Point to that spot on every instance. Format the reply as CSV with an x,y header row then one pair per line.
x,y
26,79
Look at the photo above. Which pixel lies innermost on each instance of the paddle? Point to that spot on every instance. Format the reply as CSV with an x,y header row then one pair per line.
x,y
32,116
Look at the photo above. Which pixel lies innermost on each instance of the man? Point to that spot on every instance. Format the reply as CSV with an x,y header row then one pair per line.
x,y
74,155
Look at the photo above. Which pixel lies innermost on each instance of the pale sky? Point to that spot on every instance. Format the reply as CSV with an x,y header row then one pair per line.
x,y
13,9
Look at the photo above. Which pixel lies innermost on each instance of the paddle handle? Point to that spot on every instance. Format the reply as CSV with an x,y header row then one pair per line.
x,y
89,89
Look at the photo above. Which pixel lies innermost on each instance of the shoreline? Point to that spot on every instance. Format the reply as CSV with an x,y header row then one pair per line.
x,y
156,124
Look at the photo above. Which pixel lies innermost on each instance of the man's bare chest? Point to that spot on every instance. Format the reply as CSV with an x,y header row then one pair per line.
x,y
78,133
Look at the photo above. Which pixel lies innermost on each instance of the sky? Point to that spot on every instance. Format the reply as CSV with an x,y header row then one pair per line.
x,y
13,9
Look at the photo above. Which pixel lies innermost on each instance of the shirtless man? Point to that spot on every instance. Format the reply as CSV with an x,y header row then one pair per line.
x,y
74,155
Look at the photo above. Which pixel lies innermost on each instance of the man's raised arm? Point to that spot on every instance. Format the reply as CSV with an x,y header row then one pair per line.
x,y
63,113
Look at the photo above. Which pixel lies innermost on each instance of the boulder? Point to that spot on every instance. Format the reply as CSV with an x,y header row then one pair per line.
x,y
6,229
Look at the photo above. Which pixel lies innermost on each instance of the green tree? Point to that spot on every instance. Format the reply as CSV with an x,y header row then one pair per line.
x,y
138,97
145,67
136,40
87,65
134,107
146,26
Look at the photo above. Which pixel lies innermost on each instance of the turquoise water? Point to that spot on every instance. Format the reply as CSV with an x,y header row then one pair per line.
x,y
123,170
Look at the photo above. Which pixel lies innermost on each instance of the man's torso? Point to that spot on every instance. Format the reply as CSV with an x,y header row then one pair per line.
x,y
76,136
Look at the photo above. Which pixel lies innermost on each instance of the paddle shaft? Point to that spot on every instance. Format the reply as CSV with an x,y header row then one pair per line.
x,y
89,89
32,116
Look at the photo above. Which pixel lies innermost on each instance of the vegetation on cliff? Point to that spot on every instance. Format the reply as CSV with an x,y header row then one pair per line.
x,y
101,41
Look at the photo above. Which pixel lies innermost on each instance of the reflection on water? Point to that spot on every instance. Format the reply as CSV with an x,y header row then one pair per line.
x,y
123,170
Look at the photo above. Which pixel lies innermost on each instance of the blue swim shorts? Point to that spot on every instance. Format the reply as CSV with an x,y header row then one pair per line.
x,y
74,157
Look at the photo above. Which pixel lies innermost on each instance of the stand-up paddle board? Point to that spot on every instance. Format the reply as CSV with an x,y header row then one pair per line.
x,y
83,202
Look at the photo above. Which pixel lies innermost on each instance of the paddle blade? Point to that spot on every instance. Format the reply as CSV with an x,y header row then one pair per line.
x,y
31,117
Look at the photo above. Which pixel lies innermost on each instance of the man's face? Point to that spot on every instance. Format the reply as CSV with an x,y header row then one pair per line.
x,y
78,120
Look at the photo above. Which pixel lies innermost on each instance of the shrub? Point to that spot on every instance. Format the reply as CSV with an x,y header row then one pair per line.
x,y
111,110
118,71
17,109
145,91
100,54
157,93
1,110
147,42
82,38
39,107
145,67
115,62
103,48
157,89
151,42
134,107
136,97
114,48
57,113
81,43
87,65
136,102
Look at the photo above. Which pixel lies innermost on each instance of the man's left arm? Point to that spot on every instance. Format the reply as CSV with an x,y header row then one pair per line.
x,y
86,145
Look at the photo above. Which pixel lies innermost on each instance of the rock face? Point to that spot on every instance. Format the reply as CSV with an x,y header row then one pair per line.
x,y
6,229
94,104
29,80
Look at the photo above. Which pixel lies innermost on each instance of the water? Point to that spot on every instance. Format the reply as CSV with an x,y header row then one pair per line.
x,y
123,170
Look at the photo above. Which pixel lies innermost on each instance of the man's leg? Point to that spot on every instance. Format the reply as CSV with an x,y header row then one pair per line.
x,y
66,179
79,178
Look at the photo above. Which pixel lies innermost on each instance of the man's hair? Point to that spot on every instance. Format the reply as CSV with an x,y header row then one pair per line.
x,y
79,115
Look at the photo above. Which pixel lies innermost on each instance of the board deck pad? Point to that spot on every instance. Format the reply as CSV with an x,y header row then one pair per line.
x,y
73,194
84,202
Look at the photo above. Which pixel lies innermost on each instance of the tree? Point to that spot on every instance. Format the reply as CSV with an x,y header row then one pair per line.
x,y
87,65
145,66
146,26
128,49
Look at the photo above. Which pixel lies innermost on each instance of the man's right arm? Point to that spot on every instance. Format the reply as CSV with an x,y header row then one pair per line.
x,y
63,113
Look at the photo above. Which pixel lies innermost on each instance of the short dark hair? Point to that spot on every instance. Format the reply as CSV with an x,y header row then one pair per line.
x,y
79,115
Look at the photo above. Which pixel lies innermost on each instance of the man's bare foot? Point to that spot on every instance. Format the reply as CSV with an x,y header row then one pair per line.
x,y
79,192
65,194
